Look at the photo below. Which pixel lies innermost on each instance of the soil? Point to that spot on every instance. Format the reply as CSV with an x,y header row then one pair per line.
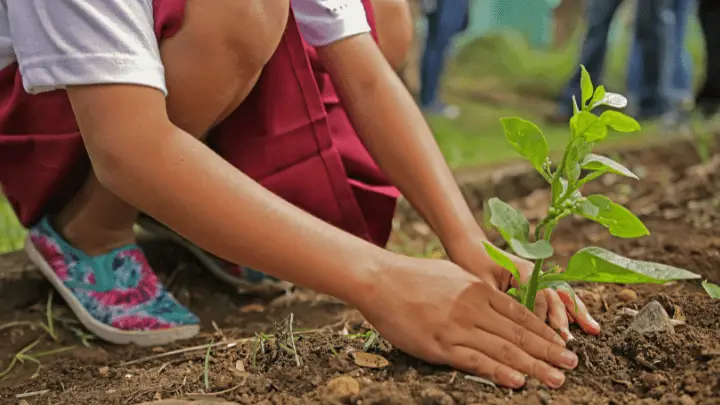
x,y
677,199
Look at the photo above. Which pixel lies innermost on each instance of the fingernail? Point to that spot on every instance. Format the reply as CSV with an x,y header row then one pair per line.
x,y
518,379
559,340
568,359
565,333
557,378
595,325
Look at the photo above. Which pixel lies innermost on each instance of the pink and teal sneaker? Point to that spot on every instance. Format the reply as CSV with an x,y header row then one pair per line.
x,y
116,296
245,279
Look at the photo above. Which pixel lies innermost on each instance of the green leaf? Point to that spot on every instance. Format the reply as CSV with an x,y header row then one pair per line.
x,y
501,258
508,221
619,121
598,96
613,100
586,85
527,139
604,164
594,264
577,150
576,109
712,289
531,250
588,126
618,219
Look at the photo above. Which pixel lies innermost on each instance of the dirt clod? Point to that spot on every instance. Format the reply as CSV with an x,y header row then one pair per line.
x,y
434,396
628,295
342,387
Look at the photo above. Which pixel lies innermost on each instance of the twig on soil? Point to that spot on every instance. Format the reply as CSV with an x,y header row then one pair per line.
x,y
212,394
205,346
9,325
31,394
286,338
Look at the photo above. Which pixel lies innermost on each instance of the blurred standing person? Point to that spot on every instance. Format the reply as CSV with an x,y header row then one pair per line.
x,y
676,71
708,98
445,19
649,30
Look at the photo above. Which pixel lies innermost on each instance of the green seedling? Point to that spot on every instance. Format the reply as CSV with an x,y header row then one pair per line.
x,y
24,355
712,289
259,343
577,167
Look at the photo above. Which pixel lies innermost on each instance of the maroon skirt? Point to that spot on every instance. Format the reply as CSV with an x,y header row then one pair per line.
x,y
291,135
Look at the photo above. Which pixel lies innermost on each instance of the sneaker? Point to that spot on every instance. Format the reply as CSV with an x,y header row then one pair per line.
x,y
245,279
444,110
116,296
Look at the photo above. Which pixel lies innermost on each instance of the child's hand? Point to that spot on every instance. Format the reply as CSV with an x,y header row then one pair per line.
x,y
556,306
435,310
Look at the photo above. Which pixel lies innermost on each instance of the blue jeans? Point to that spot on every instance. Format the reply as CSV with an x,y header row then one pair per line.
x,y
677,82
448,20
648,31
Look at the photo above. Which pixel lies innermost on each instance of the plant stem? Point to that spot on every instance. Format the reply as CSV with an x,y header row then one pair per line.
x,y
537,269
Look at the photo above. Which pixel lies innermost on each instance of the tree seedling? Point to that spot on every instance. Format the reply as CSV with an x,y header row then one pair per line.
x,y
577,167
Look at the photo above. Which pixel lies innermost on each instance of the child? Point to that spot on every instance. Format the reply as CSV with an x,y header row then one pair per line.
x,y
104,104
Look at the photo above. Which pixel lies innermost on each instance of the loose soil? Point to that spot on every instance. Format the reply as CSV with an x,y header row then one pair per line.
x,y
677,199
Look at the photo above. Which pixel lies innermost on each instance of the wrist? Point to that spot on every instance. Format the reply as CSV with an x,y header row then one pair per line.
x,y
363,279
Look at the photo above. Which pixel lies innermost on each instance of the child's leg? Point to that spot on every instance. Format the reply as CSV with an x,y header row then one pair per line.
x,y
211,65
88,253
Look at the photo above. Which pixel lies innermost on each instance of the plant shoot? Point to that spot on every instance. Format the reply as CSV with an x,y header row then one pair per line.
x,y
577,167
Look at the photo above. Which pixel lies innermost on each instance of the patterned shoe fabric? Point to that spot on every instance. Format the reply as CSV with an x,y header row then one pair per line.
x,y
116,296
245,279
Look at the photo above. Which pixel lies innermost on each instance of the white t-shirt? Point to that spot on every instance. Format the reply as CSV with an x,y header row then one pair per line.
x,y
58,43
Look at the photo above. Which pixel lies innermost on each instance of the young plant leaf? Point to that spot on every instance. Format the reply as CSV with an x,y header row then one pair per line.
x,y
712,289
577,150
619,121
576,109
515,293
541,249
598,96
613,100
527,139
594,264
501,258
588,126
586,86
508,221
618,219
604,164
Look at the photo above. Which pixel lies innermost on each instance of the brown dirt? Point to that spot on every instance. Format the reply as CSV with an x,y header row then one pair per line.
x,y
678,205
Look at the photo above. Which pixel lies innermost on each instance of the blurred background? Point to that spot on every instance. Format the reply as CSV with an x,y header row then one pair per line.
x,y
512,58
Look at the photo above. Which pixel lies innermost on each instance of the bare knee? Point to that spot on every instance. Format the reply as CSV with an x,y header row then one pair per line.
x,y
215,59
395,28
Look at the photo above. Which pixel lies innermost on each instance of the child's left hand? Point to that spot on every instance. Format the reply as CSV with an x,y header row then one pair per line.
x,y
556,306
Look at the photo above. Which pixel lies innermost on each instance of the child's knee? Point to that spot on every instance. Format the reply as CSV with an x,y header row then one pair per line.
x,y
248,30
395,29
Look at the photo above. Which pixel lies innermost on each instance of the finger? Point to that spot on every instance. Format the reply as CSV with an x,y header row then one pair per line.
x,y
541,306
581,314
505,352
506,306
528,342
557,314
477,363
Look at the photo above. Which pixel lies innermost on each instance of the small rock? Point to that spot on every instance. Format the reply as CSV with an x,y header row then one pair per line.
x,y
104,371
342,387
686,400
23,402
434,396
369,360
652,318
627,295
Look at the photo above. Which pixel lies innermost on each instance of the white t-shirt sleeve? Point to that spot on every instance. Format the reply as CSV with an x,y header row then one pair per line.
x,y
59,43
323,22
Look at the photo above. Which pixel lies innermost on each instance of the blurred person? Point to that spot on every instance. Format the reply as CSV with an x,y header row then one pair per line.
x,y
445,19
677,71
271,141
708,97
650,29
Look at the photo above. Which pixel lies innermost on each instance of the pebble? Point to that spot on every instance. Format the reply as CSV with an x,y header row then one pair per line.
x,y
652,318
104,371
342,387
627,295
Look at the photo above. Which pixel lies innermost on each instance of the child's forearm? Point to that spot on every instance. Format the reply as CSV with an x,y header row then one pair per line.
x,y
168,174
395,132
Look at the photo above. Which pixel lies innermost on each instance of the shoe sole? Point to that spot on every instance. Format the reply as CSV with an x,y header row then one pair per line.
x,y
99,329
205,259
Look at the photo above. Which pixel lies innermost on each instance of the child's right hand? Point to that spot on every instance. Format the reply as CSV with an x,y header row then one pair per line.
x,y
440,313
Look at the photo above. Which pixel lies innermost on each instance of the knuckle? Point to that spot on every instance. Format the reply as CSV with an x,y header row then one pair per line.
x,y
475,362
523,315
506,353
520,336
